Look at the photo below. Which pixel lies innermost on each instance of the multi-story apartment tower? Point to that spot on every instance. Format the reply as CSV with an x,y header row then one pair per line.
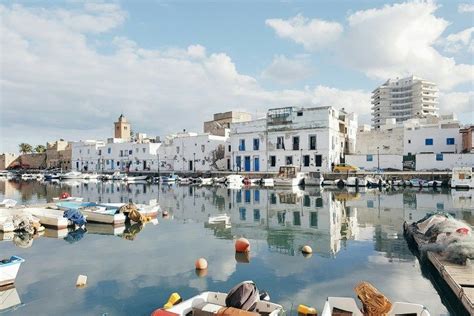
x,y
403,99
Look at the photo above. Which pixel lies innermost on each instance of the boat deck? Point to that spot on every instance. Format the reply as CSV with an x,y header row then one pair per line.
x,y
460,278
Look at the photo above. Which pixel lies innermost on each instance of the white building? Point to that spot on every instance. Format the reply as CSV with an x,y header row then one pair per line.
x,y
402,99
311,138
84,155
191,152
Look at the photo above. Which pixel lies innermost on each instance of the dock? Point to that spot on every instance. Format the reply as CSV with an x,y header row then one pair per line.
x,y
460,278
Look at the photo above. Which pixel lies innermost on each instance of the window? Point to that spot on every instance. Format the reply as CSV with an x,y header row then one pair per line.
x,y
203,148
100,152
289,160
449,141
238,161
177,149
125,127
319,160
88,151
273,198
144,150
296,143
429,141
306,160
118,163
247,196
370,204
256,143
238,197
306,201
299,113
242,212
319,202
313,219
369,158
439,157
256,196
409,141
136,150
256,215
312,142
280,142
296,218
272,161
130,152
230,148
121,153
242,144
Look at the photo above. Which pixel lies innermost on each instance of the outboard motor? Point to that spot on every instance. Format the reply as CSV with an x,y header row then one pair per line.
x,y
244,296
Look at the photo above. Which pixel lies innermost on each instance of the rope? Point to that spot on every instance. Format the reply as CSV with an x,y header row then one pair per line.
x,y
131,211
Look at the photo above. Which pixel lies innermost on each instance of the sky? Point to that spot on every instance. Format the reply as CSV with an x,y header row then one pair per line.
x,y
68,69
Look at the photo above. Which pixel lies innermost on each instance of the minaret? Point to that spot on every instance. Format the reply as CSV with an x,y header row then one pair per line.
x,y
122,128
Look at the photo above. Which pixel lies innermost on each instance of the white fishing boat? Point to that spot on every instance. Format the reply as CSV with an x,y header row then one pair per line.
x,y
267,182
400,183
418,183
433,184
67,199
170,178
463,178
314,179
90,176
95,213
6,224
8,203
217,180
349,306
356,182
9,298
27,176
205,181
209,303
9,269
219,219
131,179
71,175
150,210
185,180
119,176
234,178
328,182
49,217
289,176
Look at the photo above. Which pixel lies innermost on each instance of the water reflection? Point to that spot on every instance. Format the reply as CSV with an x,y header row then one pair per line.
x,y
355,235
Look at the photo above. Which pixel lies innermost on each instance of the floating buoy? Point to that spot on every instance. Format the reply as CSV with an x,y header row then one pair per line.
x,y
81,281
165,213
242,257
306,310
201,264
201,273
306,249
173,300
242,245
64,195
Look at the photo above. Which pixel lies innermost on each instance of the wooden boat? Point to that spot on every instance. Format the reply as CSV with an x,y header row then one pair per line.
x,y
95,213
9,269
462,178
289,176
9,298
49,217
208,303
348,306
458,277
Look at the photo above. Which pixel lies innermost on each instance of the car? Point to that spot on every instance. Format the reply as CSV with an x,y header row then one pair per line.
x,y
345,168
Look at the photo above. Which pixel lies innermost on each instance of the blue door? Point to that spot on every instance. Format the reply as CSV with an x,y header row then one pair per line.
x,y
256,164
247,163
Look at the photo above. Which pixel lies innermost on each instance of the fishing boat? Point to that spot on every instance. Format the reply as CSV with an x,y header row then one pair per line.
x,y
172,178
267,182
9,269
150,210
118,176
217,180
132,179
289,176
433,183
211,303
219,219
328,183
67,198
8,203
52,176
314,179
205,181
185,180
9,298
356,182
49,217
90,176
234,178
96,213
71,175
416,182
463,178
348,306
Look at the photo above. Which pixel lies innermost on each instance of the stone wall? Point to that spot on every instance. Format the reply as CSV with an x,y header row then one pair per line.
x,y
7,160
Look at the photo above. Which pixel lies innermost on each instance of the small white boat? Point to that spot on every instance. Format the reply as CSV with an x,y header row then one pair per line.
x,y
219,219
400,183
95,213
49,217
418,183
463,178
131,179
119,176
349,305
9,298
71,175
185,180
90,176
9,269
8,203
210,303
267,182
328,182
356,182
27,176
169,179
376,181
150,210
314,179
205,181
217,180
234,178
289,176
6,224
68,199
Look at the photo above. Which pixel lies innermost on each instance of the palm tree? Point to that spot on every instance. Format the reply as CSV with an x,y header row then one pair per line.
x,y
40,149
25,148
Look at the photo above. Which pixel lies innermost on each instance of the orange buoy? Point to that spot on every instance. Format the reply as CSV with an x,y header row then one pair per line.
x,y
242,245
64,195
201,264
306,249
165,213
201,273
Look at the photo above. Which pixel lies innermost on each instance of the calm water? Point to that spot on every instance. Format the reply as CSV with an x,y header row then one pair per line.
x,y
354,236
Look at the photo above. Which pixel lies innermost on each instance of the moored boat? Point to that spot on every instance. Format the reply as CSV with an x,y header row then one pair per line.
x,y
234,178
463,178
71,175
6,224
356,182
314,179
289,176
9,298
169,179
9,269
96,213
49,217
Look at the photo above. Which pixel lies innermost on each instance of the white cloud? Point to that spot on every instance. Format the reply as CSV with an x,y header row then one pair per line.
x,y
56,84
312,34
285,70
460,102
394,40
352,100
458,41
465,7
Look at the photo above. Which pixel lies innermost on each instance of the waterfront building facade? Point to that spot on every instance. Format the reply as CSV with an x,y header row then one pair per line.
x,y
222,121
58,155
467,135
314,139
403,99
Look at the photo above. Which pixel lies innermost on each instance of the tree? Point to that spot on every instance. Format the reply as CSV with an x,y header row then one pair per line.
x,y
40,149
25,148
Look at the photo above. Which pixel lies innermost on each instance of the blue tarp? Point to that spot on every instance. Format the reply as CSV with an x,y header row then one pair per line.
x,y
75,216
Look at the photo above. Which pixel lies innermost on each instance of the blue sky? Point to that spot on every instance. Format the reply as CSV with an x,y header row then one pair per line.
x,y
70,68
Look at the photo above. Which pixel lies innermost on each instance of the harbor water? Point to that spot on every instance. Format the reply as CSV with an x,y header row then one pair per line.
x,y
355,236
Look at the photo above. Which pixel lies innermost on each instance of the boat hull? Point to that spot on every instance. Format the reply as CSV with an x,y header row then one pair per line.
x,y
8,271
